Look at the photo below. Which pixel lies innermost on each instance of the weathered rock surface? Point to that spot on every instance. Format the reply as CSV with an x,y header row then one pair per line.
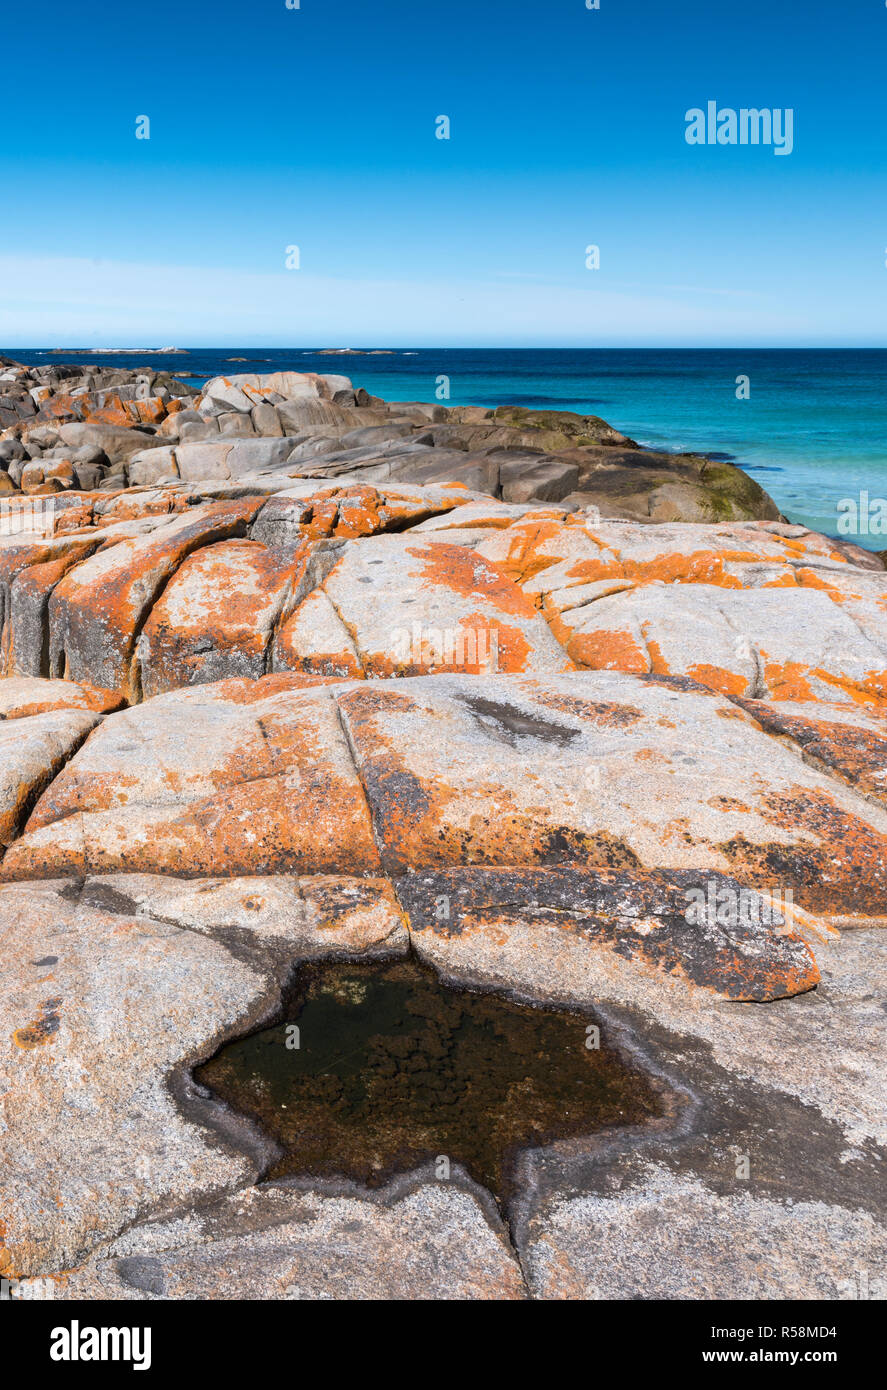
x,y
96,609
849,741
596,770
674,1237
263,787
435,1242
634,769
398,606
97,1011
318,915
32,749
215,618
610,772
599,919
757,610
106,1006
772,1187
22,698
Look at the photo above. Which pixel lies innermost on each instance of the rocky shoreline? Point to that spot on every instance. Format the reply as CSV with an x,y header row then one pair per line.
x,y
68,427
290,673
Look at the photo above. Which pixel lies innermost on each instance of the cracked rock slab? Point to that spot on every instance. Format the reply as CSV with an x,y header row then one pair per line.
x,y
97,1012
674,1238
264,787
95,613
554,557
607,771
215,618
275,1242
600,770
780,643
30,569
33,747
316,916
752,609
407,606
633,918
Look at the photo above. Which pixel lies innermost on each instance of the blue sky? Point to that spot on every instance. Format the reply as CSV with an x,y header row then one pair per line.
x,y
272,127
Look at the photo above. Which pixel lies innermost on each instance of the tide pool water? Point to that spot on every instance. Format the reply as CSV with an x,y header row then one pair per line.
x,y
810,426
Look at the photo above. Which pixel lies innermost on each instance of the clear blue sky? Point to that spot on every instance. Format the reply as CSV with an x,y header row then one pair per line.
x,y
315,127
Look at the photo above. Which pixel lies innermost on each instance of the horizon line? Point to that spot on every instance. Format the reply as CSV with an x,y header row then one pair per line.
x,y
451,347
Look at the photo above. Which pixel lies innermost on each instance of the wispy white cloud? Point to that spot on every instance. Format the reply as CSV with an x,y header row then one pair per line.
x,y
72,302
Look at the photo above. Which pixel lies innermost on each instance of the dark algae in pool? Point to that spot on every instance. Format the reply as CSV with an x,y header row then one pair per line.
x,y
387,1068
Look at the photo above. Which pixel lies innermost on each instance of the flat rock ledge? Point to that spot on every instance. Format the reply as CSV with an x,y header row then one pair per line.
x,y
635,769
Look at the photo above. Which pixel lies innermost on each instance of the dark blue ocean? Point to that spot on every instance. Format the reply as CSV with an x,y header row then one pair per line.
x,y
813,430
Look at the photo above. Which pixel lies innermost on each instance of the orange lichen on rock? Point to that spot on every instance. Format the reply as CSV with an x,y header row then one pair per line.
x,y
718,678
97,609
40,1030
454,567
24,697
215,618
247,691
320,519
837,865
608,651
314,640
269,787
696,567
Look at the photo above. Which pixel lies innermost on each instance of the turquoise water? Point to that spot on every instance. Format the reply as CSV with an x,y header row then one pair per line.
x,y
813,431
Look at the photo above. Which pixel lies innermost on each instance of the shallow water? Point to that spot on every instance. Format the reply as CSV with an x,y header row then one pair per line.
x,y
393,1069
